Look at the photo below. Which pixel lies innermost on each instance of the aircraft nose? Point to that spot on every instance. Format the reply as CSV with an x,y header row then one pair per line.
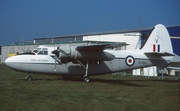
x,y
7,61
10,62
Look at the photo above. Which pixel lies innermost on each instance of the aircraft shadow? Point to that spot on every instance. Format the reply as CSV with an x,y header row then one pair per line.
x,y
120,82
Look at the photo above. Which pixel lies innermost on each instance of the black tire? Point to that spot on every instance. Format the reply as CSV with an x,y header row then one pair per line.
x,y
29,78
86,79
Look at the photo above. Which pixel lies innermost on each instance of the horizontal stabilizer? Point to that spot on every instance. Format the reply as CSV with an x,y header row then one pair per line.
x,y
158,54
175,68
176,59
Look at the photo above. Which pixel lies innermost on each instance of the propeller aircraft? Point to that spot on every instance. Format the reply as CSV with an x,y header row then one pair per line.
x,y
95,59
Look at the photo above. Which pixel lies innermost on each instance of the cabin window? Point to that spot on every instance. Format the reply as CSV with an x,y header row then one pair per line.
x,y
44,51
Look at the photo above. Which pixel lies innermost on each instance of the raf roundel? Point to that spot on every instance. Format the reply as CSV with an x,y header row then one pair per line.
x,y
130,60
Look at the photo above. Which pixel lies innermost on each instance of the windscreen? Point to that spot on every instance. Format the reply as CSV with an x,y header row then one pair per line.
x,y
43,51
36,50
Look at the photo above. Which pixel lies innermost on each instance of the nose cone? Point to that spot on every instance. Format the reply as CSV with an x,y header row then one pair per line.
x,y
8,61
11,62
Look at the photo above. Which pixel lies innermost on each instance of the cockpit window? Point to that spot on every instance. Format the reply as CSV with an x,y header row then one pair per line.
x,y
41,51
36,50
44,51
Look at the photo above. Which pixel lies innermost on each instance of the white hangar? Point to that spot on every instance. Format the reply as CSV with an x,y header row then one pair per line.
x,y
133,39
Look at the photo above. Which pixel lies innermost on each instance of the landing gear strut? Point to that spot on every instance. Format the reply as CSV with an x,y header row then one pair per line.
x,y
178,78
85,77
162,71
29,78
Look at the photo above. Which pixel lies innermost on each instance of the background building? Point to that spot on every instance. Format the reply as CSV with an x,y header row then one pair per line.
x,y
135,39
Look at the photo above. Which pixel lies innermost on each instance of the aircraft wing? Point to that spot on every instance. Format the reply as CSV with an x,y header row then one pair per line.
x,y
106,42
92,52
99,47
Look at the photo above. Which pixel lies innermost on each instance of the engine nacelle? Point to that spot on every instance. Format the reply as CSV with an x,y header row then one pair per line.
x,y
69,53
65,52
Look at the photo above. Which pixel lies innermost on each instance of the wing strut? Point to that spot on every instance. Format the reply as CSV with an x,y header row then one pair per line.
x,y
85,77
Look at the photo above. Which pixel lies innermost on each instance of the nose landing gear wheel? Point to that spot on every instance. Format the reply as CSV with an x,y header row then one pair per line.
x,y
29,78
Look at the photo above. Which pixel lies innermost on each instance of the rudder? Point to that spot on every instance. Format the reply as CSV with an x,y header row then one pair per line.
x,y
158,41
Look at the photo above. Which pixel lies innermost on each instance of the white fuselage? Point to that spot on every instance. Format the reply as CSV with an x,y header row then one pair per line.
x,y
45,64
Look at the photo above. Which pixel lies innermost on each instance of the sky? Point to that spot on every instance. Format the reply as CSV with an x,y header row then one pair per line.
x,y
29,19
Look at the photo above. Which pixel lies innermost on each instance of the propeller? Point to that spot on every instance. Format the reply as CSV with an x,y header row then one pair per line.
x,y
56,52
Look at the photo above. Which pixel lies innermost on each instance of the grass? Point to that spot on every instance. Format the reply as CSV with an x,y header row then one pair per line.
x,y
103,93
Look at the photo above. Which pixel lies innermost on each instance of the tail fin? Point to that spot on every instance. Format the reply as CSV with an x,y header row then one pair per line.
x,y
158,42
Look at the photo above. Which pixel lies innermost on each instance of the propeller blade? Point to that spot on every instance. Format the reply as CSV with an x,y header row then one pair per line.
x,y
55,52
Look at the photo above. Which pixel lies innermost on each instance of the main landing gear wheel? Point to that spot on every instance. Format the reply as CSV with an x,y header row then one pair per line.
x,y
86,79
